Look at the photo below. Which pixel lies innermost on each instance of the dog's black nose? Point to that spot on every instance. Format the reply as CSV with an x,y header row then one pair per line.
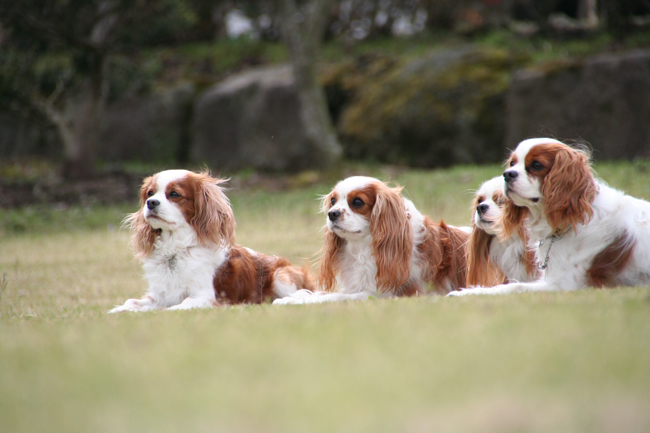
x,y
152,203
510,175
333,215
482,208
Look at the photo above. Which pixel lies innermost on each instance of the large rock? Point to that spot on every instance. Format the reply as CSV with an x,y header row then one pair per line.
x,y
251,120
603,100
150,128
445,108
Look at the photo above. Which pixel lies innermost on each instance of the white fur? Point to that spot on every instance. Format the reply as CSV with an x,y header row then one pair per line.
x,y
357,277
507,254
571,255
179,271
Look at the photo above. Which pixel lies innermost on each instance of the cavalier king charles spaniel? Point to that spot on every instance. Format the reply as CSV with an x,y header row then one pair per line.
x,y
490,260
184,234
590,235
378,244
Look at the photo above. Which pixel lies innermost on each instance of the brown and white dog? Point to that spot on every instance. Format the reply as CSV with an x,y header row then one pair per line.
x,y
490,260
590,235
378,244
184,234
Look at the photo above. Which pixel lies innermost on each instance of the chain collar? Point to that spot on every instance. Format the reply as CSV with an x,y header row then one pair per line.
x,y
557,234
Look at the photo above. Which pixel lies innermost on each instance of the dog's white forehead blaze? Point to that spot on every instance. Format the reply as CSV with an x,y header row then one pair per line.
x,y
165,177
524,147
353,183
489,187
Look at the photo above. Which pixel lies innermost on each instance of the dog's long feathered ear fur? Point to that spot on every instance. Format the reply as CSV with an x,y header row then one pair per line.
x,y
511,219
480,270
528,257
330,260
392,238
144,236
329,254
569,189
213,219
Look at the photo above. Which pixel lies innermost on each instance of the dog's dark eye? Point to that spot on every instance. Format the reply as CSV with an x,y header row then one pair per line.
x,y
536,165
150,193
332,201
174,194
357,202
512,163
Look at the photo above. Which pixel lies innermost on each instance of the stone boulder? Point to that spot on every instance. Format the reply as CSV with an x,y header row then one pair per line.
x,y
601,100
151,128
251,120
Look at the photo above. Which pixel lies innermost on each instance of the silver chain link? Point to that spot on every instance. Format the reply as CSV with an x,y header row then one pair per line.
x,y
556,235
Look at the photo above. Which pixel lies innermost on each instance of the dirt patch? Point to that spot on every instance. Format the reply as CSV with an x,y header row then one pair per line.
x,y
122,187
109,188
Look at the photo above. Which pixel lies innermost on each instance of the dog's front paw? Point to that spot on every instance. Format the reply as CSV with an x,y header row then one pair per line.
x,y
136,305
192,303
461,292
119,309
288,301
133,305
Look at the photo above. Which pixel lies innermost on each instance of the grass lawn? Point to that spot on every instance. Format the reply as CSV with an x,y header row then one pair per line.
x,y
560,362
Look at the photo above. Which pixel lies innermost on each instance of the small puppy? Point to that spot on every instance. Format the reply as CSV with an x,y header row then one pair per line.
x,y
492,261
184,234
590,235
378,243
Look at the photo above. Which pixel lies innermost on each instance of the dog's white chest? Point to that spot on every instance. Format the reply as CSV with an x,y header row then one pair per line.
x,y
177,273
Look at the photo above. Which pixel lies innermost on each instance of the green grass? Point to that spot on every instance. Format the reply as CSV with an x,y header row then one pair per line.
x,y
561,362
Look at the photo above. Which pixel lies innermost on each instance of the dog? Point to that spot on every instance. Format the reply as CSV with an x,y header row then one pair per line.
x,y
378,244
590,235
492,261
184,234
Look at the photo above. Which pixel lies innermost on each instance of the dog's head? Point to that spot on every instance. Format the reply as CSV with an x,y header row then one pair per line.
x,y
487,205
552,178
176,200
364,209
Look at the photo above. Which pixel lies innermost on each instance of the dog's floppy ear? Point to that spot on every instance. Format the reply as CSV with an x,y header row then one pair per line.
x,y
511,219
569,189
392,238
480,270
213,218
528,258
144,236
330,260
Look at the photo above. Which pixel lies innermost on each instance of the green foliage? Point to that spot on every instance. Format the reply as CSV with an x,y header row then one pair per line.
x,y
543,49
24,74
441,109
204,63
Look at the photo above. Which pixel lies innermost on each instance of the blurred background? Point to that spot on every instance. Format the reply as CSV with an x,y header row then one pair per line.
x,y
94,94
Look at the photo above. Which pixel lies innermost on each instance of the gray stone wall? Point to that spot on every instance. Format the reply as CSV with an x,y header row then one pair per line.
x,y
251,120
444,108
604,101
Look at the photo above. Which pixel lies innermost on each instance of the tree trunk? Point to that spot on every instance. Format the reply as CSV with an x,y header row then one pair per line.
x,y
79,127
303,33
80,134
588,12
78,124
